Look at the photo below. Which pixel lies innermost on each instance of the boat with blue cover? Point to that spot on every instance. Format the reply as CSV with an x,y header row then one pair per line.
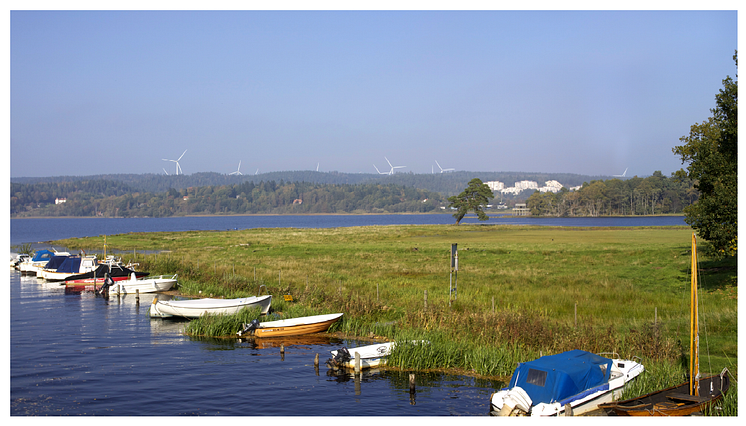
x,y
569,383
38,261
71,265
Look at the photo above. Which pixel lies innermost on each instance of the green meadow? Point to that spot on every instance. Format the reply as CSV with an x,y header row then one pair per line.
x,y
522,291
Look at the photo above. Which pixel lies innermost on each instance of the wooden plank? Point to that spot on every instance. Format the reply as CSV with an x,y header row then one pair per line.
x,y
687,397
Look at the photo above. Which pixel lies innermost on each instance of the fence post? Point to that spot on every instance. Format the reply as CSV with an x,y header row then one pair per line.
x,y
576,314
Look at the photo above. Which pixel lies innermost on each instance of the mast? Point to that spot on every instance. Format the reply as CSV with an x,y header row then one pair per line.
x,y
694,327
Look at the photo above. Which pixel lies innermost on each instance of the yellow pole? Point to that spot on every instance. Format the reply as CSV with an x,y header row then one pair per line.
x,y
694,336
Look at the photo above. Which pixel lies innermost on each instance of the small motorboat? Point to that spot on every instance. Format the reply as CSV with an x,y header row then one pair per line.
x,y
195,308
93,280
38,261
290,327
569,383
16,260
371,356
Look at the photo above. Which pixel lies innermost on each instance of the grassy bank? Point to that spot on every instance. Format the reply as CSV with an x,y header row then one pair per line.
x,y
522,290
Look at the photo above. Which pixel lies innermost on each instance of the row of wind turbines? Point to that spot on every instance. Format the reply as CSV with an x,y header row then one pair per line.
x,y
180,172
238,171
393,168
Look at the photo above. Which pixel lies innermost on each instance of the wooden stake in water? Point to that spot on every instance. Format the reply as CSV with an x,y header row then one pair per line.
x,y
357,362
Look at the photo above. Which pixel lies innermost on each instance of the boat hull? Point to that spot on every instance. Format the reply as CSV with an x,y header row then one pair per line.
x,y
296,326
371,356
673,401
146,285
88,284
199,307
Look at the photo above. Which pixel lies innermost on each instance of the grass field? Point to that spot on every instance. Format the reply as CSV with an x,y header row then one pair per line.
x,y
522,291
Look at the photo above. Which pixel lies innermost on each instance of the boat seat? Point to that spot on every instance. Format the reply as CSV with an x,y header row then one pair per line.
x,y
687,397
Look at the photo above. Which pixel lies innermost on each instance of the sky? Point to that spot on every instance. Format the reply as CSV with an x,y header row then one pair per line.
x,y
561,91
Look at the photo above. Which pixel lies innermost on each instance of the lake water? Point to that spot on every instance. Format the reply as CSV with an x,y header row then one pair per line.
x,y
87,355
36,230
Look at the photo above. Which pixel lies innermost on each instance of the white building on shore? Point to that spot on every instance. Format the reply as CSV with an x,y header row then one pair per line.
x,y
524,185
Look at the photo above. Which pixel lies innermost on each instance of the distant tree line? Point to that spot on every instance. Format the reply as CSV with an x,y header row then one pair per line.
x,y
114,199
655,194
447,184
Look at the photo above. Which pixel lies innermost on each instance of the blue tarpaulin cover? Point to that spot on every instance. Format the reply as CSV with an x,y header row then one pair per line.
x,y
71,264
55,262
553,378
41,255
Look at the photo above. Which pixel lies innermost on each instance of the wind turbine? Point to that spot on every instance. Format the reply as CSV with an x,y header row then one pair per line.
x,y
442,169
623,174
317,167
391,172
178,167
164,171
238,172
380,172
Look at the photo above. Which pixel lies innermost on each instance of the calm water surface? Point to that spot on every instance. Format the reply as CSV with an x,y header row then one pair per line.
x,y
86,355
36,230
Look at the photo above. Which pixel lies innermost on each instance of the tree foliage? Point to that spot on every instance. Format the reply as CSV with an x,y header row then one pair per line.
x,y
475,197
635,196
710,152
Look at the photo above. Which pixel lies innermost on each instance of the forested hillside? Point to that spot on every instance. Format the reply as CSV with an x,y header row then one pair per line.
x,y
445,183
264,197
198,194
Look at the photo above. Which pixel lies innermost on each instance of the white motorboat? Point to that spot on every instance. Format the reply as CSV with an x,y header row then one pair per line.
x,y
371,356
142,285
71,265
41,258
195,308
569,383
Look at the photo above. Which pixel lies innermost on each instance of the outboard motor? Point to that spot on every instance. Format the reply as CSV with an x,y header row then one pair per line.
x,y
342,356
248,328
108,282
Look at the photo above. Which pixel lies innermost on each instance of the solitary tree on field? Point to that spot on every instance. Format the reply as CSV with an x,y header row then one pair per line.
x,y
475,197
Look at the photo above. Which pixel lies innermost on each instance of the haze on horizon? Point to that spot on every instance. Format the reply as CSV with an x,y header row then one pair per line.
x,y
583,92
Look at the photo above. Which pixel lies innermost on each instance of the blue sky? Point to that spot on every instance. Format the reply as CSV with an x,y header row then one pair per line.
x,y
535,91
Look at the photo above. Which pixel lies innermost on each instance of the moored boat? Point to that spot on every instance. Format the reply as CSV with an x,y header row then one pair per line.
x,y
569,383
290,326
38,261
71,265
143,285
16,260
93,280
195,308
371,356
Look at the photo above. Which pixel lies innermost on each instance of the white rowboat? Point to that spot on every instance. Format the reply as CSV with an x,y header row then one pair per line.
x,y
197,307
